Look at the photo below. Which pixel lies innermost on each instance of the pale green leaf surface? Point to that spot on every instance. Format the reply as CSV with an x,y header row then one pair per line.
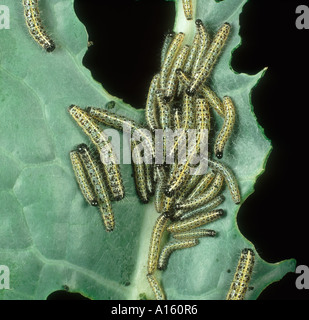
x,y
49,236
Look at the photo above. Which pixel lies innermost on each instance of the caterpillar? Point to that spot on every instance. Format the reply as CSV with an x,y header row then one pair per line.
x,y
139,173
151,104
120,122
188,187
182,170
149,170
204,40
164,110
242,275
179,141
226,130
177,179
188,114
176,119
172,81
199,188
110,119
188,9
82,179
186,121
202,199
185,192
107,217
168,206
166,44
202,115
165,118
202,185
195,221
94,170
90,128
195,233
213,100
155,242
228,177
215,202
194,49
158,200
100,140
156,287
170,57
188,65
169,248
211,56
35,26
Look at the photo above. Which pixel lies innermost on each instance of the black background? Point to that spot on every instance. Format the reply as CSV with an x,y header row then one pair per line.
x,y
127,38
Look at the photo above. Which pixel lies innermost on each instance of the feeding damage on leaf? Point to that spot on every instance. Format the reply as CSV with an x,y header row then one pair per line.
x,y
180,100
151,242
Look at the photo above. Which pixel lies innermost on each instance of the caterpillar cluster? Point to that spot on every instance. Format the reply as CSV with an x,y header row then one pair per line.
x,y
178,99
100,182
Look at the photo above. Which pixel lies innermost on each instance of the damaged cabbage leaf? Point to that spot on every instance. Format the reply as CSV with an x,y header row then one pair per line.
x,y
50,239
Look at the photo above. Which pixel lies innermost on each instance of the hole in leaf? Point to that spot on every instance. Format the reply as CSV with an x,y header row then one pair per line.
x,y
65,295
127,37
